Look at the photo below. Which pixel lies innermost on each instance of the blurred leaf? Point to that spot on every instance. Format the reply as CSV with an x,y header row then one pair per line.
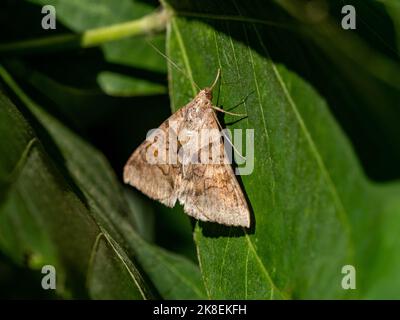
x,y
135,54
83,15
173,229
393,8
54,226
364,96
119,85
108,273
21,282
93,177
381,266
142,214
312,205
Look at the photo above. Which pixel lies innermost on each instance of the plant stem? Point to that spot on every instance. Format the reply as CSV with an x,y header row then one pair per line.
x,y
152,23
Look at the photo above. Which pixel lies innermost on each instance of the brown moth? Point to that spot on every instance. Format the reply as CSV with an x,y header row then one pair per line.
x,y
207,191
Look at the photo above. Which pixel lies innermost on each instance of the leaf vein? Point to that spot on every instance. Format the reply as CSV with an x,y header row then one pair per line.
x,y
184,55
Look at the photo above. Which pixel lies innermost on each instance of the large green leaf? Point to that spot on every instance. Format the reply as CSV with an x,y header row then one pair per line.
x,y
314,211
338,64
54,226
173,276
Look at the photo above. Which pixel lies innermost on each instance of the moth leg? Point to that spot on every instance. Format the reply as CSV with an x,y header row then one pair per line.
x,y
231,113
235,106
227,138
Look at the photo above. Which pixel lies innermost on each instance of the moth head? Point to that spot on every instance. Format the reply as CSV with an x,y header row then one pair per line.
x,y
208,93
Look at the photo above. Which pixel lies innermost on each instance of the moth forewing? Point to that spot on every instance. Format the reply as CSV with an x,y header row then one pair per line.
x,y
202,179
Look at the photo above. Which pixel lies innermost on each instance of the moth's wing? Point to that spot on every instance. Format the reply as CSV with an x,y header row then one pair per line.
x,y
159,181
215,195
211,192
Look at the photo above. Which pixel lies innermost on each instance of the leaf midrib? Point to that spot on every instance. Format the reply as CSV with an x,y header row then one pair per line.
x,y
250,244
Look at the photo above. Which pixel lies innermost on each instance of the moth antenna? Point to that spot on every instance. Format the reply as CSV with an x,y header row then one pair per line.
x,y
216,79
173,63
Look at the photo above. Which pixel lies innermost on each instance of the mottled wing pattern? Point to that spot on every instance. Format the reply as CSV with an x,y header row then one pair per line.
x,y
213,194
210,192
158,181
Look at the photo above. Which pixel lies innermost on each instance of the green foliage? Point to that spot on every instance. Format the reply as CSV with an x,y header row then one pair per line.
x,y
323,191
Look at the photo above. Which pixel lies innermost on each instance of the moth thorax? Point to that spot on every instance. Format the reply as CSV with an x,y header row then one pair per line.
x,y
196,113
208,93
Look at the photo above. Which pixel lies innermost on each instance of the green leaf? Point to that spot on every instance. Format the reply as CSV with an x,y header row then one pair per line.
x,y
173,276
313,207
382,233
108,273
338,64
55,226
132,53
120,85
393,9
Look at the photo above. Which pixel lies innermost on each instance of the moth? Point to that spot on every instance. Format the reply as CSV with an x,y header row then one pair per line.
x,y
208,191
